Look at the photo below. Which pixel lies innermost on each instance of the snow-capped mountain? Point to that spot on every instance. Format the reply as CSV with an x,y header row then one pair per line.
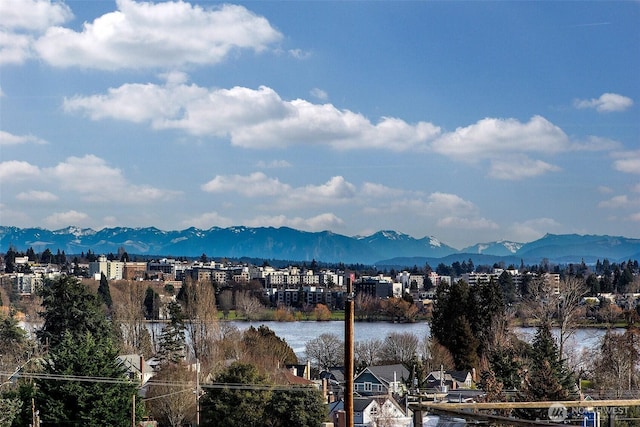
x,y
289,244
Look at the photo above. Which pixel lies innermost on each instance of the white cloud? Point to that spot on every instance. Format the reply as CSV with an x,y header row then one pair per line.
x,y
250,118
33,15
628,162
299,53
608,102
36,196
99,182
157,35
319,94
615,202
603,189
635,217
491,138
274,164
14,170
64,219
256,184
467,223
208,220
532,229
519,167
320,222
7,138
89,176
21,21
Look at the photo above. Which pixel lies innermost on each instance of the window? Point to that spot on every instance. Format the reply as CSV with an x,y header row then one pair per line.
x,y
367,387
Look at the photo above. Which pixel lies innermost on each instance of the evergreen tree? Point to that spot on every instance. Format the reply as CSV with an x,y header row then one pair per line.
x,y
103,400
548,377
95,390
172,339
70,307
103,291
237,406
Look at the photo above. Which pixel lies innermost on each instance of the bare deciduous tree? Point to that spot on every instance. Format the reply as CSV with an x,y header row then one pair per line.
x,y
569,308
248,305
128,312
201,320
367,353
399,347
171,398
326,351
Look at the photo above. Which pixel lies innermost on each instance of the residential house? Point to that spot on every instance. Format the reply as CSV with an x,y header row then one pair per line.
x,y
137,368
379,380
372,411
452,380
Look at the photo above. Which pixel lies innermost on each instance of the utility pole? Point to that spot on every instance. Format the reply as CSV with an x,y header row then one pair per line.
x,y
349,309
197,393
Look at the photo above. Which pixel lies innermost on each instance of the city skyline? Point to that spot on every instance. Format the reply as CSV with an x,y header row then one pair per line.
x,y
470,122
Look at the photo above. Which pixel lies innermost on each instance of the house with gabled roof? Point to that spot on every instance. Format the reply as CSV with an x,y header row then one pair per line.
x,y
452,380
383,379
372,411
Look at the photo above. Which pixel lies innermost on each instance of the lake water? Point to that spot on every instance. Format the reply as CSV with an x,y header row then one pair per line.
x,y
297,334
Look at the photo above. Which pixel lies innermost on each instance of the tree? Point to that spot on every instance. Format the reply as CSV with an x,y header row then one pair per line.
x,y
81,345
548,377
172,340
450,324
615,361
266,350
247,305
321,312
103,291
151,304
569,308
399,348
201,320
76,402
326,351
70,307
367,353
170,398
129,314
238,405
296,406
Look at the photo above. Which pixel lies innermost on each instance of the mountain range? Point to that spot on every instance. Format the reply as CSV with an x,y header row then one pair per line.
x,y
384,248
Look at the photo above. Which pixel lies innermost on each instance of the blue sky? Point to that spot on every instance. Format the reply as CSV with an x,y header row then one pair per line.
x,y
468,121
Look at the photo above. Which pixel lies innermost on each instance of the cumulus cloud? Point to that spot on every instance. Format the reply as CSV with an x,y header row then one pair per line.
x,y
615,202
22,21
491,137
519,167
628,162
36,196
157,35
320,222
15,170
319,94
251,118
607,103
208,220
467,223
63,219
7,138
97,181
256,184
89,176
532,229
